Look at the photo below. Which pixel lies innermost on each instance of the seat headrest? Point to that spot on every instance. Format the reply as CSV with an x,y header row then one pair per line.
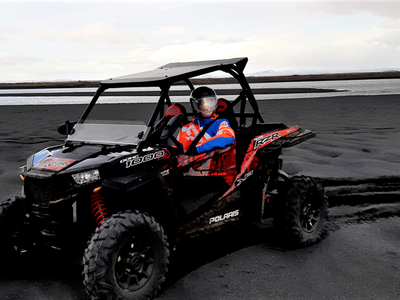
x,y
225,110
222,105
175,109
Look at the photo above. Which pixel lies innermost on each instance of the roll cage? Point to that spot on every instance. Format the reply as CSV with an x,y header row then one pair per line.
x,y
181,73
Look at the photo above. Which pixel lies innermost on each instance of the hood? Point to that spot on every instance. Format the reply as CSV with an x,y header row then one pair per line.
x,y
72,156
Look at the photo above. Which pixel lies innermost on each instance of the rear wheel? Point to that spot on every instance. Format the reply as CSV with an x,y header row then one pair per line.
x,y
127,258
302,210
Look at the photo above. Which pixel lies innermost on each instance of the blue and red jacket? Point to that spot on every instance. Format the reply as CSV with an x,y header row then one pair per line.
x,y
218,136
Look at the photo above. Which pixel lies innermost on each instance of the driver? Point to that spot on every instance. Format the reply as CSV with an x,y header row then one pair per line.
x,y
219,134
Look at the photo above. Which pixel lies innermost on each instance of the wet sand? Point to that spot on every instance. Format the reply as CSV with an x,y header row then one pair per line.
x,y
356,154
357,137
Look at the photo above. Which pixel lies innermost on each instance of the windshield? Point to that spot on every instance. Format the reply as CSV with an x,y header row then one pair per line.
x,y
112,121
106,133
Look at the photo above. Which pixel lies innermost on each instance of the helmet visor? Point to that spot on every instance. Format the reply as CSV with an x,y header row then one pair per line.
x,y
206,106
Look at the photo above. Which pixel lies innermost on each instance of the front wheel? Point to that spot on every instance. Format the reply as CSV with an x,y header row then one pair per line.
x,y
127,258
15,232
302,210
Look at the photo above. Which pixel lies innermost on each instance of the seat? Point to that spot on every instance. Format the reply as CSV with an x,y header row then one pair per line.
x,y
243,137
171,115
176,109
225,111
159,128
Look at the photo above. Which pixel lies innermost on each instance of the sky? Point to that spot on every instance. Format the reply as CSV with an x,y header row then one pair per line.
x,y
95,40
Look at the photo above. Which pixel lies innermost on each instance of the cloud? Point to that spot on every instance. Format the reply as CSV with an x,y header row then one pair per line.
x,y
391,23
227,41
8,31
20,67
93,33
382,8
390,38
171,31
7,60
86,41
198,49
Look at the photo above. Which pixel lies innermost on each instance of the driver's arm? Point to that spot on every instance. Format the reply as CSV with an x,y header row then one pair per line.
x,y
187,135
217,137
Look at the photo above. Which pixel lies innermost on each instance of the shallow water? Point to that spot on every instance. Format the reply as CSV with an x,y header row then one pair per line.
x,y
342,87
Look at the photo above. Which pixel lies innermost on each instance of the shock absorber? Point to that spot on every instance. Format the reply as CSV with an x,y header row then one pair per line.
x,y
99,208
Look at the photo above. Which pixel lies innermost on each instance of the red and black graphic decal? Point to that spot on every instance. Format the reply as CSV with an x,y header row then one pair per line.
x,y
54,163
260,141
214,163
250,160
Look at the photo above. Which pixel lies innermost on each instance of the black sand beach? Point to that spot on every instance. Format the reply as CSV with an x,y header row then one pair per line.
x,y
356,154
357,137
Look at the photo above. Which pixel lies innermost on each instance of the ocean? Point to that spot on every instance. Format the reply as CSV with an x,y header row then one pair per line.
x,y
340,87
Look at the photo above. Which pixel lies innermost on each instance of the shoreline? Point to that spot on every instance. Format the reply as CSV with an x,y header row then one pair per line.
x,y
221,80
256,91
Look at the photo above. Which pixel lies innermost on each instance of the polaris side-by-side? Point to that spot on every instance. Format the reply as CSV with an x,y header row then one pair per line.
x,y
128,187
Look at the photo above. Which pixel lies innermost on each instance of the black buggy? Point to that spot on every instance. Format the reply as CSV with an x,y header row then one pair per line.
x,y
129,189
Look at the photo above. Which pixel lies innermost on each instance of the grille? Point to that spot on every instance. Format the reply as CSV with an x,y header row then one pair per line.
x,y
40,190
51,216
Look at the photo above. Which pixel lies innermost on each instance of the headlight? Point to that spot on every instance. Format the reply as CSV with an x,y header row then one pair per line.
x,y
86,177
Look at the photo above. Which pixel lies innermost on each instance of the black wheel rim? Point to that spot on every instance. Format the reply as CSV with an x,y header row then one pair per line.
x,y
310,214
22,238
134,265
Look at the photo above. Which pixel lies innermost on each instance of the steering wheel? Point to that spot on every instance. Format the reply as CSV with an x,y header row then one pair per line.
x,y
172,126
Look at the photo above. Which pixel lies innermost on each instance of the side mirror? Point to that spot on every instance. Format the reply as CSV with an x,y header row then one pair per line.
x,y
65,128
